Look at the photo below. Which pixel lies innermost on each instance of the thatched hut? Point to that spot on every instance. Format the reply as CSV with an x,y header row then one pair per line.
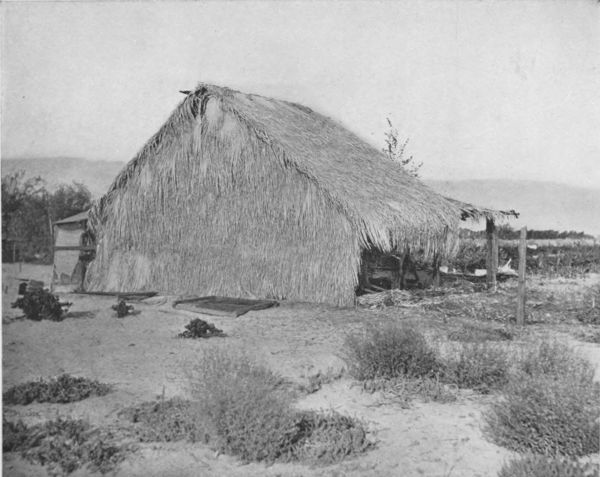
x,y
247,196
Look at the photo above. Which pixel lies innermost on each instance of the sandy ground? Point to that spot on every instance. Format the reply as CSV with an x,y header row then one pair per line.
x,y
142,358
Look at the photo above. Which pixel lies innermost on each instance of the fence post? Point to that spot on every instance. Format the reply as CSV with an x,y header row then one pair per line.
x,y
522,267
492,253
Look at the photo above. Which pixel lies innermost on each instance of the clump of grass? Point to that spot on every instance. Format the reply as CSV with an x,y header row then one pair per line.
x,y
62,389
198,328
65,445
550,406
543,466
249,414
472,333
390,351
483,367
403,390
165,421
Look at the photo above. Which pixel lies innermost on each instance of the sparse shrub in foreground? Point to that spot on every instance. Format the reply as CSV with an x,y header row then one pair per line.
x,y
40,304
552,358
165,421
543,466
198,328
480,366
63,389
249,414
472,333
64,445
389,351
546,414
402,391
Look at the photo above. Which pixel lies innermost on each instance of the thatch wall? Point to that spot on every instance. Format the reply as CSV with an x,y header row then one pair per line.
x,y
247,196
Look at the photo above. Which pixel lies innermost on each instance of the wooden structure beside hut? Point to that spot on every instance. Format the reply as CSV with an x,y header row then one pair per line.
x,y
73,250
246,196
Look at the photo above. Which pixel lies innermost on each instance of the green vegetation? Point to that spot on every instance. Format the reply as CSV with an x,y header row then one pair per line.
x,y
63,389
28,210
248,413
39,304
64,445
550,406
198,328
543,466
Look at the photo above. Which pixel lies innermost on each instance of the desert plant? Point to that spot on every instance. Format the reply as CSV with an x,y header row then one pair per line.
x,y
248,414
542,466
552,358
479,366
198,328
62,389
40,304
468,332
164,421
65,445
548,414
389,351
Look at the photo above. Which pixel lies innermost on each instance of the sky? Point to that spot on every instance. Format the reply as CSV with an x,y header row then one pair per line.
x,y
482,89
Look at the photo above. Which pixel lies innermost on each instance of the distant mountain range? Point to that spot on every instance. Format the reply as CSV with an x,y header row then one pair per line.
x,y
543,205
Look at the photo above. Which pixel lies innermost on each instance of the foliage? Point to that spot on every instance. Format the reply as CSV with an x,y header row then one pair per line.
x,y
542,466
39,304
122,309
506,232
64,445
63,389
480,366
395,150
249,414
390,351
165,421
198,328
468,332
28,210
403,390
551,405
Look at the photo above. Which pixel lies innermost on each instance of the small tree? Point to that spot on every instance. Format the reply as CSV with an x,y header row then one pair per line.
x,y
395,150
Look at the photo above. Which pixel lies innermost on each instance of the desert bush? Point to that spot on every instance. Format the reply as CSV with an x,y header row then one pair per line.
x,y
327,438
548,414
552,358
165,421
469,332
198,328
543,466
480,366
248,414
63,389
65,445
402,391
389,351
40,304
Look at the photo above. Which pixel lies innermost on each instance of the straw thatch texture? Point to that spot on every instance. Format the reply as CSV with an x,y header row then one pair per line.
x,y
476,213
243,195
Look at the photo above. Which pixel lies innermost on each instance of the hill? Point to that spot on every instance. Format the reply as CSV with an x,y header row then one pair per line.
x,y
96,175
543,205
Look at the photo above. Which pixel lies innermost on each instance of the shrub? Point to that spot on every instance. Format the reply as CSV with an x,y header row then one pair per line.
x,y
472,333
390,351
198,328
62,389
542,466
552,358
403,390
479,366
165,421
548,414
40,304
327,438
64,445
248,412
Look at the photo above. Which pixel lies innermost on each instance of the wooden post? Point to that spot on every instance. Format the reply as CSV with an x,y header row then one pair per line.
x,y
492,253
436,271
522,266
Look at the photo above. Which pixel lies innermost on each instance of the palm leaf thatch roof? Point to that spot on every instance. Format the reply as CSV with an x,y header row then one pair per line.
x,y
251,177
476,213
